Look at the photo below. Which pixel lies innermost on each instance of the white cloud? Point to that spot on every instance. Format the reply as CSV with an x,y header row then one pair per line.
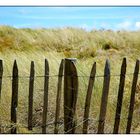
x,y
137,24
84,26
26,16
104,25
124,25
24,11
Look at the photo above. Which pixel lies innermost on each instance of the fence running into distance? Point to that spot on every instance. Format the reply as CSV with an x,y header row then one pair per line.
x,y
68,70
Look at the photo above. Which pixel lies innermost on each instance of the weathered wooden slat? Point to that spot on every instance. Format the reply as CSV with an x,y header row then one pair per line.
x,y
104,99
70,96
14,101
88,98
45,105
132,98
58,98
1,74
120,96
30,100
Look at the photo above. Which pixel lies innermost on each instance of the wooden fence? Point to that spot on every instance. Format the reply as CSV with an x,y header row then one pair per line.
x,y
68,70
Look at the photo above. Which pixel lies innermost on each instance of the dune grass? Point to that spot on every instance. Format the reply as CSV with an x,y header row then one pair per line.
x,y
26,45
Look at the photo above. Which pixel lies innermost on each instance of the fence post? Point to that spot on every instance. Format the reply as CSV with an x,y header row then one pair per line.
x,y
132,99
14,102
70,96
58,98
45,106
120,96
1,74
30,100
88,98
104,98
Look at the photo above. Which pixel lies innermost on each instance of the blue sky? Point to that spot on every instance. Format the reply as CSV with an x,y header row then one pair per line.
x,y
115,18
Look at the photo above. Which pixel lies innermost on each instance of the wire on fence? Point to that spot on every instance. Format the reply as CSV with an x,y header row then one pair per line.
x,y
52,123
86,76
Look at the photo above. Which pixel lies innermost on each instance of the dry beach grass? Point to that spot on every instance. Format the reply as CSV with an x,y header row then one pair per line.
x,y
26,45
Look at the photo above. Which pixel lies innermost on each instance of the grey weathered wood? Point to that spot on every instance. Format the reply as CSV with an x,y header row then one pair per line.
x,y
30,100
58,98
132,99
14,101
104,99
88,98
45,105
1,74
120,96
70,96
